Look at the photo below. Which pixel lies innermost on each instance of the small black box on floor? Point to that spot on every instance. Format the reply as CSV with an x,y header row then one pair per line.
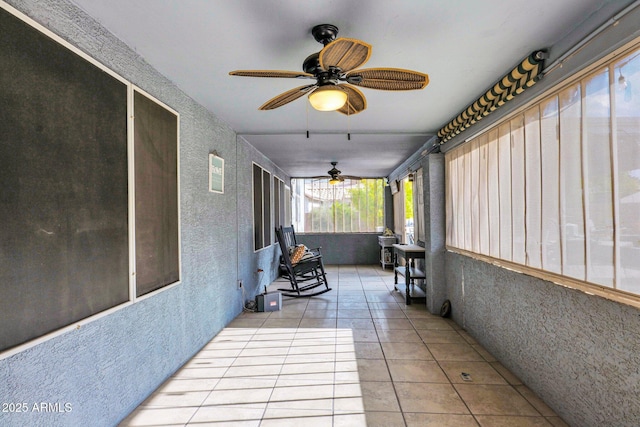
x,y
269,302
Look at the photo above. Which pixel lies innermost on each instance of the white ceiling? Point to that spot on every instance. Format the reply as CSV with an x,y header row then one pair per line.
x,y
464,46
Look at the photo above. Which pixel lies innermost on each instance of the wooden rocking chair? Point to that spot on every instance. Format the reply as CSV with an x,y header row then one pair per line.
x,y
289,238
305,275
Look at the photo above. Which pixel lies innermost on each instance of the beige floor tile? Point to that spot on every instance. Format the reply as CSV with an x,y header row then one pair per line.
x,y
379,396
365,335
368,350
344,391
399,335
252,371
345,313
258,360
258,350
299,408
557,422
246,323
313,367
246,383
416,371
348,405
159,416
385,419
384,296
228,414
435,336
506,374
430,398
537,403
388,314
480,372
350,420
418,311
373,370
495,400
306,379
321,362
384,305
212,354
457,352
440,420
179,399
238,396
468,338
302,393
320,313
511,421
352,299
387,324
345,304
346,366
437,324
484,353
312,349
406,350
288,312
177,385
322,421
282,322
232,343
246,423
366,324
317,323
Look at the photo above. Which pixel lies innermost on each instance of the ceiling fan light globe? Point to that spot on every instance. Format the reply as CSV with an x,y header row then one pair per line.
x,y
334,181
327,98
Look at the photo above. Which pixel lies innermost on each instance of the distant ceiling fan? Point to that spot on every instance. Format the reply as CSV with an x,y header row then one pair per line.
x,y
334,69
335,175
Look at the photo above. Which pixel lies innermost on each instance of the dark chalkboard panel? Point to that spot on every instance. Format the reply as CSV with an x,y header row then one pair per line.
x,y
63,186
156,183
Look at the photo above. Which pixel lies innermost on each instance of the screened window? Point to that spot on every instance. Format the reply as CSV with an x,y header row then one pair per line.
x,y
262,225
351,206
557,186
280,203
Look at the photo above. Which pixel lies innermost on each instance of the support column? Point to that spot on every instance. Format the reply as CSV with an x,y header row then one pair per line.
x,y
435,230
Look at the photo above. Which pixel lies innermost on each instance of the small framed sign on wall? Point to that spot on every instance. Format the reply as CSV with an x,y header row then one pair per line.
x,y
216,174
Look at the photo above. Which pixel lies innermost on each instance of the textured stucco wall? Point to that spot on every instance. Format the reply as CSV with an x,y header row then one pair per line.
x,y
108,366
344,248
265,259
579,352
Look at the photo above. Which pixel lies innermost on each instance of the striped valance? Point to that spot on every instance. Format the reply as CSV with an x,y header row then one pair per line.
x,y
520,78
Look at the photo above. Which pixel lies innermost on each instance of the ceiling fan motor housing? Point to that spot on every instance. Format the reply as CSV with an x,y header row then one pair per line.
x,y
312,65
324,33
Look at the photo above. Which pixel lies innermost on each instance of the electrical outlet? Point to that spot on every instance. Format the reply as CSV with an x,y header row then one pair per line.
x,y
239,284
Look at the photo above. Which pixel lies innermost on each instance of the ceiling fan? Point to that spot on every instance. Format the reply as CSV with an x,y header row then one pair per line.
x,y
335,175
335,70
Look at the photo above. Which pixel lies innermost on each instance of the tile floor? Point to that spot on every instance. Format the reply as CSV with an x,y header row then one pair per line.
x,y
355,356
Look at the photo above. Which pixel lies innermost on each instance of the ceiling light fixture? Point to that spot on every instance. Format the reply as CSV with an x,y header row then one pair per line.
x,y
334,181
328,98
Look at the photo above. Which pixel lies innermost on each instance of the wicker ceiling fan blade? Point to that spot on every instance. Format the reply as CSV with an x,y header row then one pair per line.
x,y
345,54
388,79
356,102
272,73
287,97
